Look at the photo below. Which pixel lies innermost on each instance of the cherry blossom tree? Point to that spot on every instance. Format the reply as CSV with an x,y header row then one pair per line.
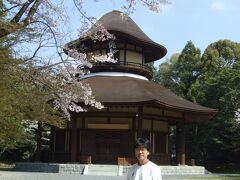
x,y
31,26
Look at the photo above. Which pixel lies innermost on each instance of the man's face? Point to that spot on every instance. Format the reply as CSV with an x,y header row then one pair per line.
x,y
141,154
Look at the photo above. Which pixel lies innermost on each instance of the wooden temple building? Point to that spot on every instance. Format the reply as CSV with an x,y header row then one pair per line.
x,y
134,106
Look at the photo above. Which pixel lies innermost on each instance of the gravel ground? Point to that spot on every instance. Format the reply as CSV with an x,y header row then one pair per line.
x,y
13,175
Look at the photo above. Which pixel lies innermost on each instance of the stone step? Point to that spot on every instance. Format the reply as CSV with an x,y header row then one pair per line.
x,y
182,170
102,170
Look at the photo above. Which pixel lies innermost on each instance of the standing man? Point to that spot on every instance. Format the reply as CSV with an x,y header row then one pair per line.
x,y
143,169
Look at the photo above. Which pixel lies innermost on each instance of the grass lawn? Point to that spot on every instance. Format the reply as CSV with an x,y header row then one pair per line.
x,y
222,177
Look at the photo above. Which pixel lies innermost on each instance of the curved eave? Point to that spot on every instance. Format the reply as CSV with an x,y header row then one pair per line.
x,y
177,108
189,115
166,106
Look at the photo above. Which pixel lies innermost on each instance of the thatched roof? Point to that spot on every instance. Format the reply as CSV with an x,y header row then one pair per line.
x,y
108,89
127,28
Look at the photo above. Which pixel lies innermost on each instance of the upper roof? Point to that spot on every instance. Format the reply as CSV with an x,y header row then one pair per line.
x,y
108,89
118,24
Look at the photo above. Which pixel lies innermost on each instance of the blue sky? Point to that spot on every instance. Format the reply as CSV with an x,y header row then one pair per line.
x,y
201,21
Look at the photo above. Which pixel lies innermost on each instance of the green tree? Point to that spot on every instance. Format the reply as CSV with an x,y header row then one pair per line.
x,y
21,99
154,71
188,68
166,74
12,131
218,87
211,80
180,74
182,70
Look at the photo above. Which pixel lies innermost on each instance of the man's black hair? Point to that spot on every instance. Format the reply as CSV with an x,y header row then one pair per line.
x,y
142,143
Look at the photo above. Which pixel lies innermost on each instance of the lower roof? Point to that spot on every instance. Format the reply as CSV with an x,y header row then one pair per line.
x,y
108,89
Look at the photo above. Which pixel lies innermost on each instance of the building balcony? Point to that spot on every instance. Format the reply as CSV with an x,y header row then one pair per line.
x,y
120,66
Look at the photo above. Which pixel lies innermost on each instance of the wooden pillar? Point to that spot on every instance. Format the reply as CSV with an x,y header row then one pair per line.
x,y
108,117
151,138
133,135
74,140
51,146
139,119
181,144
125,53
169,140
83,122
134,124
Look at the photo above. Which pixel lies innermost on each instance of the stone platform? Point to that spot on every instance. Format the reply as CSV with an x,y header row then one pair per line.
x,y
99,169
49,167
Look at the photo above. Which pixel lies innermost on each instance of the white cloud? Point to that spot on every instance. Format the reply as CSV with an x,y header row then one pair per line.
x,y
218,6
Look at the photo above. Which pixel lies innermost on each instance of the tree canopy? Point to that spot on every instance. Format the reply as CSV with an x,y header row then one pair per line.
x,y
211,79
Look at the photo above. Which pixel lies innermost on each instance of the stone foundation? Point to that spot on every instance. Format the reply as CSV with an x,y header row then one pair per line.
x,y
176,170
49,167
120,170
